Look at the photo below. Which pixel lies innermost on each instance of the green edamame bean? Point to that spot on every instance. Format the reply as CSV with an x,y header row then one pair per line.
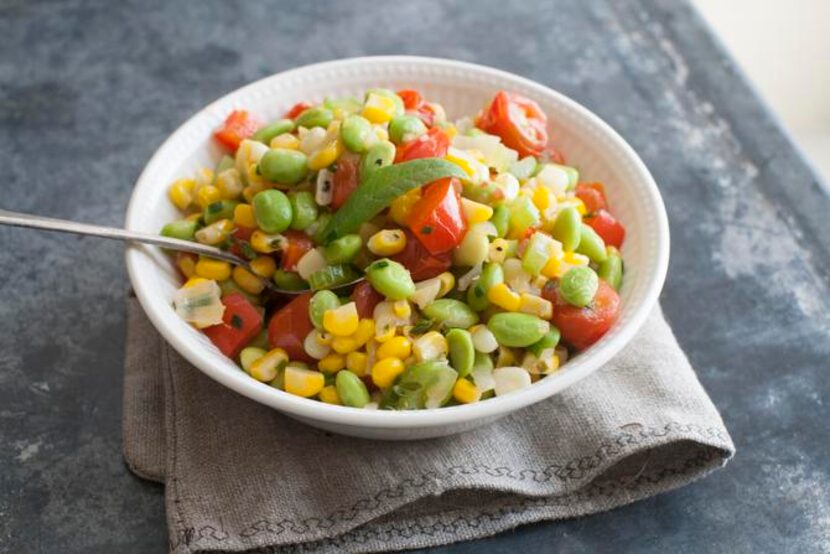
x,y
517,329
550,340
523,169
221,209
183,229
484,193
404,128
422,383
289,280
462,351
579,286
351,390
282,165
611,270
501,219
491,274
303,208
567,228
378,155
272,211
348,104
482,363
224,164
319,237
322,301
399,107
315,117
451,313
267,133
343,250
391,279
357,133
591,244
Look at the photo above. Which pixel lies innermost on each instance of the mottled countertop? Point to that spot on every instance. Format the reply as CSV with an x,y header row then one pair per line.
x,y
88,90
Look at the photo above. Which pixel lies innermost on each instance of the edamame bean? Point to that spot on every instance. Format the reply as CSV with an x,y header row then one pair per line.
x,y
289,280
183,229
351,390
378,155
348,104
550,340
319,237
343,250
611,270
404,128
303,208
591,244
579,286
483,193
275,129
357,133
426,384
517,329
322,301
501,219
221,209
451,313
391,279
491,274
462,352
566,228
315,117
282,165
272,211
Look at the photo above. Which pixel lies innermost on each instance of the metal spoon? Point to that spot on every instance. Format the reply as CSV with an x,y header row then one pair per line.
x,y
64,226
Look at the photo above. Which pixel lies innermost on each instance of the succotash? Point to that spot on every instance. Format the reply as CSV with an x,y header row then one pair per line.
x,y
487,261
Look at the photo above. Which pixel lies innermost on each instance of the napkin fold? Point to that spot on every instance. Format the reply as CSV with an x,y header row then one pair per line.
x,y
241,477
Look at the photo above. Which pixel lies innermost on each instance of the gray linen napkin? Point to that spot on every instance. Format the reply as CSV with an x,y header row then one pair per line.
x,y
239,476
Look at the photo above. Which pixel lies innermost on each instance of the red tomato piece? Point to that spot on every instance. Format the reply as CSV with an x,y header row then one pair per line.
x,y
411,99
608,227
425,113
365,298
593,196
297,109
243,233
437,219
555,155
241,322
582,327
432,144
345,181
419,261
238,126
298,243
519,121
289,326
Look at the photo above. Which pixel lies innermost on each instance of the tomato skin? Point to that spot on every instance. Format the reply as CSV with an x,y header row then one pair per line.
x,y
608,227
554,155
433,144
519,121
419,261
297,109
582,327
437,219
289,327
366,298
243,233
412,99
241,322
593,196
238,126
345,181
298,244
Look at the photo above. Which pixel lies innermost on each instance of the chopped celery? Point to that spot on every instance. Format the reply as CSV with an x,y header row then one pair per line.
x,y
537,253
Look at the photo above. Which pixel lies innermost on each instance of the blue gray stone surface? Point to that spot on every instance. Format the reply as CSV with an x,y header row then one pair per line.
x,y
88,90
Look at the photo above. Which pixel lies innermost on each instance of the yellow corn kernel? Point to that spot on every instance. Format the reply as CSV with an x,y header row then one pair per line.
x,y
356,363
447,281
266,367
230,184
379,109
386,371
204,176
401,207
402,308
539,282
187,265
475,211
332,363
181,193
465,392
325,156
195,217
580,206
215,233
503,297
542,198
216,270
265,243
498,251
303,382
285,140
324,338
451,130
344,345
505,357
396,347
462,162
193,281
365,331
574,259
535,305
381,134
430,346
329,395
207,195
384,334
387,242
247,281
551,268
252,190
342,321
243,216
264,266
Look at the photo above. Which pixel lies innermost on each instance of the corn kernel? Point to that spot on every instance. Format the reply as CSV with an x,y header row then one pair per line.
x,y
535,305
580,206
193,281
332,363
447,281
475,211
285,140
243,216
501,295
506,357
344,345
356,362
264,266
451,130
573,259
402,308
329,395
383,334
386,371
387,242
265,243
401,207
325,338
186,264
181,193
203,177
325,156
342,321
430,346
207,195
542,198
465,392
303,382
230,184
551,268
247,281
498,251
265,368
378,109
397,347
365,331
252,190
216,270
215,233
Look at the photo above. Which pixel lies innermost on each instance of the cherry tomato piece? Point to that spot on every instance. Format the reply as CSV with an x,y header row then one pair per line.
x,y
437,219
297,109
298,243
344,182
519,121
608,227
419,261
582,327
593,196
238,126
432,144
411,99
241,322
289,327
366,298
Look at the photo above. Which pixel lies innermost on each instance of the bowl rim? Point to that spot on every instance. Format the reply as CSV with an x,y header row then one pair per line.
x,y
384,419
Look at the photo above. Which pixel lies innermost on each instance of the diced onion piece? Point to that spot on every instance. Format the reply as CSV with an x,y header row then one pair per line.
x,y
426,292
248,153
495,154
483,378
554,178
312,261
508,185
484,340
323,192
314,346
312,140
509,379
199,302
467,279
439,392
475,246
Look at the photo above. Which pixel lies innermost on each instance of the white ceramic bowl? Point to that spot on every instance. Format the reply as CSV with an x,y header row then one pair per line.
x,y
462,88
